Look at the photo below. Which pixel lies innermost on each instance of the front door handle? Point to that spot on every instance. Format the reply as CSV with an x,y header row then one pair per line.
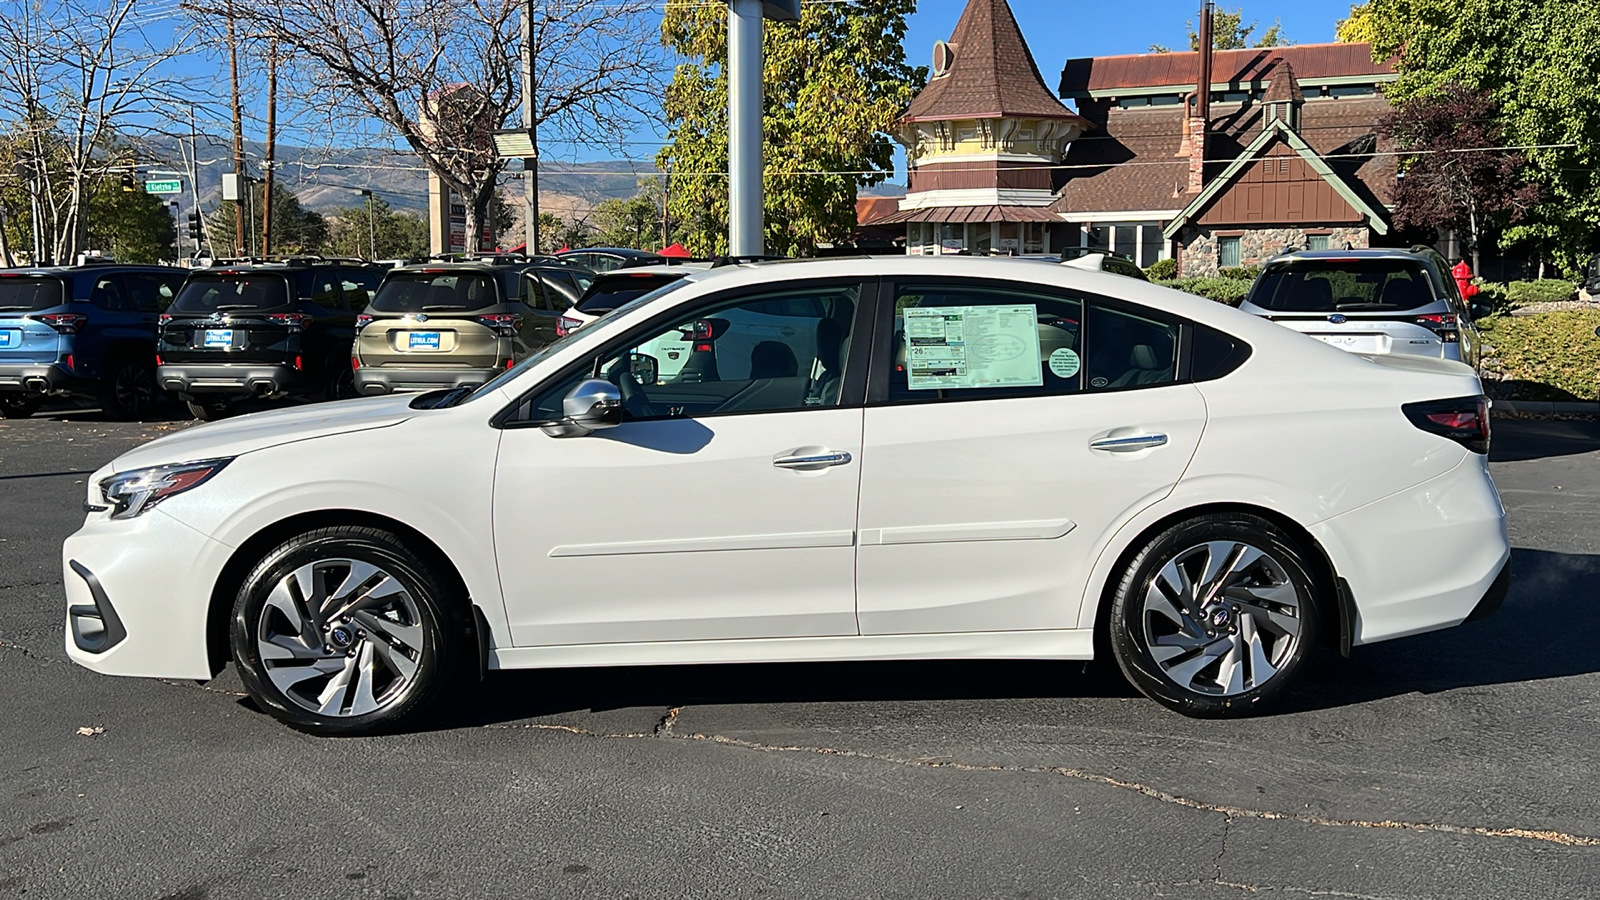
x,y
1128,444
807,458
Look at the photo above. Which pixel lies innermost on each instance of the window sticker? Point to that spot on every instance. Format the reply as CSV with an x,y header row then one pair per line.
x,y
1064,362
972,346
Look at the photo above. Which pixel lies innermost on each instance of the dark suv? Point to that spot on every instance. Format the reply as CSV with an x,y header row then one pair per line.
x,y
267,331
88,330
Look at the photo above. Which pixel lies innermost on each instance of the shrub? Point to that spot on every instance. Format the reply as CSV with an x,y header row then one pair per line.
x,y
1549,290
1223,290
1162,270
1492,294
1546,356
1242,273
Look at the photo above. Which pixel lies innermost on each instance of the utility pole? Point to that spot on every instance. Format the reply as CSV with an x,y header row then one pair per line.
x,y
238,135
745,227
272,137
194,183
666,201
530,165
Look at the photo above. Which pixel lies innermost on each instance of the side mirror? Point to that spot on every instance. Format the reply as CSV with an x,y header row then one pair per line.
x,y
1597,331
591,405
644,368
1479,310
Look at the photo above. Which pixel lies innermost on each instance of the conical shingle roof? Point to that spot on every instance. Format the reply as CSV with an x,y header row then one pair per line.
x,y
992,74
1284,88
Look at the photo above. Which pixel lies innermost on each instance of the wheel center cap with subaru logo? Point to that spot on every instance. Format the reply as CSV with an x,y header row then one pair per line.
x,y
341,637
1337,319
422,317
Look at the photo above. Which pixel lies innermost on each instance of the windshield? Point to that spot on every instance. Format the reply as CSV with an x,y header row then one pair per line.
x,y
29,294
622,312
1343,285
417,292
225,293
612,291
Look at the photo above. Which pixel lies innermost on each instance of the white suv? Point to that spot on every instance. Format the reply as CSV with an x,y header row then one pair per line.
x,y
1036,462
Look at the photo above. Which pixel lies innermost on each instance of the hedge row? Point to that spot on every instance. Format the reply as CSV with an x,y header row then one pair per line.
x,y
1546,356
1223,290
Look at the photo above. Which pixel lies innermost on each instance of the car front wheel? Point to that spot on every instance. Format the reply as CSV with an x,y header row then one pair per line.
x,y
1214,616
345,631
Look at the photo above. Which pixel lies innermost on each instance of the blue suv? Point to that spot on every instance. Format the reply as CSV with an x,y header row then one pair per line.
x,y
82,330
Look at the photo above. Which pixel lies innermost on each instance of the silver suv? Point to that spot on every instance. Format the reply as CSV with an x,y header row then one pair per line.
x,y
1400,302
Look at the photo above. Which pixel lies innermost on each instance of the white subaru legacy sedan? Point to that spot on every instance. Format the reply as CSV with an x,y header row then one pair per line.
x,y
920,458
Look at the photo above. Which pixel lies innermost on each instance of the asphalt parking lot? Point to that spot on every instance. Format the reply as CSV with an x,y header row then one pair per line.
x,y
1457,764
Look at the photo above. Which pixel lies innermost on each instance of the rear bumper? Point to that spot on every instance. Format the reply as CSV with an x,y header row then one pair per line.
x,y
37,378
393,380
234,378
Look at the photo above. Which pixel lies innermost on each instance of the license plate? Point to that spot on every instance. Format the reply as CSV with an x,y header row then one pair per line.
x,y
1356,343
10,338
422,340
218,337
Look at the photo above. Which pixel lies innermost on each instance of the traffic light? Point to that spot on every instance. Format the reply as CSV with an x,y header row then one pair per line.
x,y
127,181
194,225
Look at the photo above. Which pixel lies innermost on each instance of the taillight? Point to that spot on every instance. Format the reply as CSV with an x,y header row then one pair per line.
x,y
362,321
164,318
1443,324
354,363
292,321
566,325
510,363
66,323
1464,420
298,362
72,364
158,360
504,324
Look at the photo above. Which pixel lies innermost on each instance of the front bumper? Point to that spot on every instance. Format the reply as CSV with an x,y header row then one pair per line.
x,y
138,595
36,378
378,380
258,379
1425,558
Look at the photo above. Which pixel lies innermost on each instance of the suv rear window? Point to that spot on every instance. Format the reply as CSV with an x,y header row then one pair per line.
x,y
29,293
222,293
608,292
415,292
1343,285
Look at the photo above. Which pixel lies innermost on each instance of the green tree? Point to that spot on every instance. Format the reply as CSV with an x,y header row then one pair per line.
x,y
377,231
835,82
132,226
1536,60
295,229
634,221
1228,32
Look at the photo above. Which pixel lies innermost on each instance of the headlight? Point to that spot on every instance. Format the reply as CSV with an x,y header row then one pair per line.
x,y
134,492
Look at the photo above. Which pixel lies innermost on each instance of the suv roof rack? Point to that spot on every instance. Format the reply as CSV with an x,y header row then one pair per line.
x,y
721,261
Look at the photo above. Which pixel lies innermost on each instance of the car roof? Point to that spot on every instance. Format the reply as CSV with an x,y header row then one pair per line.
x,y
615,251
673,269
93,267
1364,253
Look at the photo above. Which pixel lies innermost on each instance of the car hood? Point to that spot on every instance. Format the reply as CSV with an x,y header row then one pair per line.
x,y
258,431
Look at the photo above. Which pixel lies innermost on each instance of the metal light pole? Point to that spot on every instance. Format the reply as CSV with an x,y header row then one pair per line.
x,y
372,226
530,164
745,227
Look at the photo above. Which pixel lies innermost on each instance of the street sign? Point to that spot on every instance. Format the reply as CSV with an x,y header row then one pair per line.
x,y
163,187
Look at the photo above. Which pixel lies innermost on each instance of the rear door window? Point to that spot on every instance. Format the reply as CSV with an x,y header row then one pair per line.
x,y
1343,285
232,293
435,292
107,293
147,293
30,294
358,285
325,285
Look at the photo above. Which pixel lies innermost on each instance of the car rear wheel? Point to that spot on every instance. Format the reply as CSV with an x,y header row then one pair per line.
x,y
127,390
345,631
209,410
342,386
1214,616
19,406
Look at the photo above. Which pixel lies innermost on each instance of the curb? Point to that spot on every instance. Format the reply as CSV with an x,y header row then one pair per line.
x,y
1546,407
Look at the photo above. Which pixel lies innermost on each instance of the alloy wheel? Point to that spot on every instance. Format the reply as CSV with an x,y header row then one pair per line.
x,y
133,389
340,638
1221,618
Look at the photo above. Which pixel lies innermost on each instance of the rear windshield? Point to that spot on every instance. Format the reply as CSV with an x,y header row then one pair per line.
x,y
417,292
224,293
29,293
611,291
1343,285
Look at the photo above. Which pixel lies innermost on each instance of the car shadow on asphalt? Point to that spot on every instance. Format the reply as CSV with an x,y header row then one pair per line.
x,y
1517,440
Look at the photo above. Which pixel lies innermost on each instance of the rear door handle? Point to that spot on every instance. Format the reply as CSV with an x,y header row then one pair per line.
x,y
807,459
1128,444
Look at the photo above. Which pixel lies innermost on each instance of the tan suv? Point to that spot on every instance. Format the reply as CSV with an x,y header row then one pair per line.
x,y
443,325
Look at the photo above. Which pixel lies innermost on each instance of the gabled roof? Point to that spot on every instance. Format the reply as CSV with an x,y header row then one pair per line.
x,y
1276,128
992,74
1081,78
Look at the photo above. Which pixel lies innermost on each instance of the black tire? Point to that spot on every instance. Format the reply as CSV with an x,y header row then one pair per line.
x,y
1234,683
19,406
127,389
208,409
442,639
342,386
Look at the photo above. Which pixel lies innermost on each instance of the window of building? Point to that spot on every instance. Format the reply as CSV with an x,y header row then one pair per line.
x,y
1033,237
1141,242
1317,241
1228,252
1152,246
1352,90
1167,100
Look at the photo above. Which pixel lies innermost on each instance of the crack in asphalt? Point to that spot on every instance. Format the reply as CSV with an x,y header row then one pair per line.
x,y
662,731
26,653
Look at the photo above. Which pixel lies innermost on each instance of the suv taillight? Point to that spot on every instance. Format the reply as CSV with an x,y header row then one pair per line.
x,y
1464,420
164,318
566,325
1443,324
362,321
293,321
66,323
504,324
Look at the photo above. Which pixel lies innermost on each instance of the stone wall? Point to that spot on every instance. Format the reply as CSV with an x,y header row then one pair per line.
x,y
1198,253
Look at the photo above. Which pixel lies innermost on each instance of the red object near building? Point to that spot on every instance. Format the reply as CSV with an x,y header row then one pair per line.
x,y
675,251
1462,273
